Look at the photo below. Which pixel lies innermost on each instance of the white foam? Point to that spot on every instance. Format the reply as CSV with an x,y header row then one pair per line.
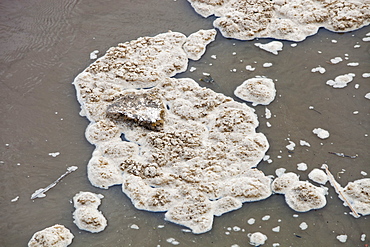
x,y
366,75
187,126
304,143
356,193
301,196
318,176
321,133
363,237
56,236
87,217
250,68
267,113
291,20
367,96
302,166
303,226
266,217
236,228
274,47
353,64
319,69
280,171
342,238
267,65
55,154
94,55
135,227
257,238
276,229
251,221
336,60
290,146
172,241
257,90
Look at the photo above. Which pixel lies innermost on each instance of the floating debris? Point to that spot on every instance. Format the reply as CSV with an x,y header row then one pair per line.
x,y
344,155
339,190
15,199
40,193
207,78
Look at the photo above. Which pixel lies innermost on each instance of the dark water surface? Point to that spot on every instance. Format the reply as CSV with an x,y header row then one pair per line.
x,y
44,44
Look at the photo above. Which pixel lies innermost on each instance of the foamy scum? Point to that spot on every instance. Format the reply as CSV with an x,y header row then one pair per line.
x,y
175,147
283,19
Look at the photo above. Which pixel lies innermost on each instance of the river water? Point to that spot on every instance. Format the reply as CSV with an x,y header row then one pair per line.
x,y
44,44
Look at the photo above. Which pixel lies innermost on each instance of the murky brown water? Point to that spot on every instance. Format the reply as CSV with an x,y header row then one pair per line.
x,y
44,44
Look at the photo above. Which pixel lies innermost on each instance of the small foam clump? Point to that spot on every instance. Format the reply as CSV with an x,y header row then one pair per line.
x,y
280,19
318,176
87,216
321,133
257,90
320,69
357,192
301,196
342,238
54,236
303,226
174,146
302,166
257,238
274,47
341,81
